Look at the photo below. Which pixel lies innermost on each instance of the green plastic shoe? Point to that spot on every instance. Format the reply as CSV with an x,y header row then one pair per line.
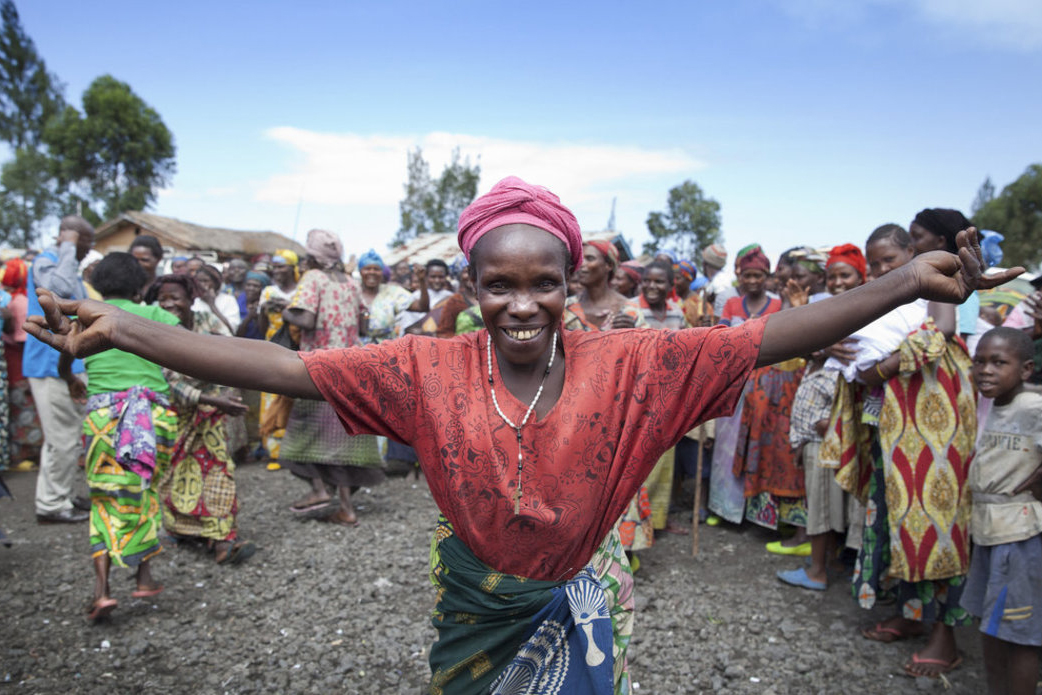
x,y
801,550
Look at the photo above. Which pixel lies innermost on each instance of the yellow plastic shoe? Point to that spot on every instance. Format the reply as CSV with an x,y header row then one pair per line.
x,y
273,466
801,550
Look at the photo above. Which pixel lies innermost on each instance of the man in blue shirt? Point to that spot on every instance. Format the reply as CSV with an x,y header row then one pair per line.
x,y
61,418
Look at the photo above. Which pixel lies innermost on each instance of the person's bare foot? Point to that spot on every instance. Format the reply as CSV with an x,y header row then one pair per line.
x,y
341,517
147,590
678,529
233,552
310,501
893,629
940,654
798,538
102,607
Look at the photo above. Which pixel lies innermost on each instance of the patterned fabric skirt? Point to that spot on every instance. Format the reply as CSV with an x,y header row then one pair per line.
x,y
763,453
911,469
125,511
636,530
26,435
769,510
316,446
198,491
501,633
660,489
726,490
926,600
747,455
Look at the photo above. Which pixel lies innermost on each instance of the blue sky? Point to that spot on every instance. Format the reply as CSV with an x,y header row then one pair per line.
x,y
810,121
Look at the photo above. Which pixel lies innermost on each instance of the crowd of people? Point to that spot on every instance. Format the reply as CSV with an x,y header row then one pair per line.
x,y
861,401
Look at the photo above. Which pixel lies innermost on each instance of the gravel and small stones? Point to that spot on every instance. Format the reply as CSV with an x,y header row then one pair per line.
x,y
323,608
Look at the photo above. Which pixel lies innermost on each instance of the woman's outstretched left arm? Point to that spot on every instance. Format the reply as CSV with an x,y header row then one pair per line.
x,y
937,276
86,327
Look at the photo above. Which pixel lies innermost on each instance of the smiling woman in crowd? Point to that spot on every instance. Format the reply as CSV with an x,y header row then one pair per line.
x,y
533,440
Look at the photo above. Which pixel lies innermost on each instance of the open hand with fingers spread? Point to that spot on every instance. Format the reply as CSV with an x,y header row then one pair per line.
x,y
795,293
79,327
944,277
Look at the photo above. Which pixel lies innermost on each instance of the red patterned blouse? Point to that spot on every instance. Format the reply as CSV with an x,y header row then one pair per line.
x,y
629,395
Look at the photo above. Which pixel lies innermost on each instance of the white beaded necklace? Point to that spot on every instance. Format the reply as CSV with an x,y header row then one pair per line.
x,y
508,421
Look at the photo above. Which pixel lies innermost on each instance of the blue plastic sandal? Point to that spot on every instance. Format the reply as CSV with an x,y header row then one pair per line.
x,y
798,577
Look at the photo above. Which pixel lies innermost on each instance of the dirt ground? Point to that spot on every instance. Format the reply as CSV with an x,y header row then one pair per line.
x,y
333,610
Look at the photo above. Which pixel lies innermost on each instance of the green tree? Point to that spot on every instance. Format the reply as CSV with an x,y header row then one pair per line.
x,y
433,205
29,98
117,154
419,191
690,223
28,195
1016,213
29,95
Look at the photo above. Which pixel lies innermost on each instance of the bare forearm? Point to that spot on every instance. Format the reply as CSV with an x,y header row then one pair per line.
x,y
61,277
423,302
240,362
65,366
301,318
802,330
943,316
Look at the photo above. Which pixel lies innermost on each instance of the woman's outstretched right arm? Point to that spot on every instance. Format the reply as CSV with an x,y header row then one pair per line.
x,y
240,362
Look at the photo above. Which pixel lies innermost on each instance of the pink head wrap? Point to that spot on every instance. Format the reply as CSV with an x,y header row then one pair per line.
x,y
512,201
325,248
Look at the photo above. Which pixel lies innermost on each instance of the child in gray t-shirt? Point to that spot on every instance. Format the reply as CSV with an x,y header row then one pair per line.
x,y
1004,585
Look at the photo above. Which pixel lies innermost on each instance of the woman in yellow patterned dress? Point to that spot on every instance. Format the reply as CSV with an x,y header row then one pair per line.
x,y
910,467
198,492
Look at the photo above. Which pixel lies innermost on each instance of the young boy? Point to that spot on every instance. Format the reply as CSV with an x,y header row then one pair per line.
x,y
1004,585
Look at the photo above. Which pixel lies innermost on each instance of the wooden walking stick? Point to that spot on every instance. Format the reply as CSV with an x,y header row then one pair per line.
x,y
698,492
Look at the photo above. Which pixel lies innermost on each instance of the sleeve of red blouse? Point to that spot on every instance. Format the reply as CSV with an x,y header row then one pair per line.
x,y
373,389
697,374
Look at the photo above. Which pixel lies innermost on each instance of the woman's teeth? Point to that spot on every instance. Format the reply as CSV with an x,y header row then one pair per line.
x,y
522,334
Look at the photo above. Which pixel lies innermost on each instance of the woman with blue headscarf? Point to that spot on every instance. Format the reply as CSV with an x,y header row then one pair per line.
x,y
384,301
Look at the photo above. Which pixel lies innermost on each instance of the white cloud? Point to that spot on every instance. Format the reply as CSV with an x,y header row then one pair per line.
x,y
1008,24
352,169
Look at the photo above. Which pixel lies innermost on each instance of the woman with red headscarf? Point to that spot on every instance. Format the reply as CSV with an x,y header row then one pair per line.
x,y
761,464
25,432
827,515
533,439
754,476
